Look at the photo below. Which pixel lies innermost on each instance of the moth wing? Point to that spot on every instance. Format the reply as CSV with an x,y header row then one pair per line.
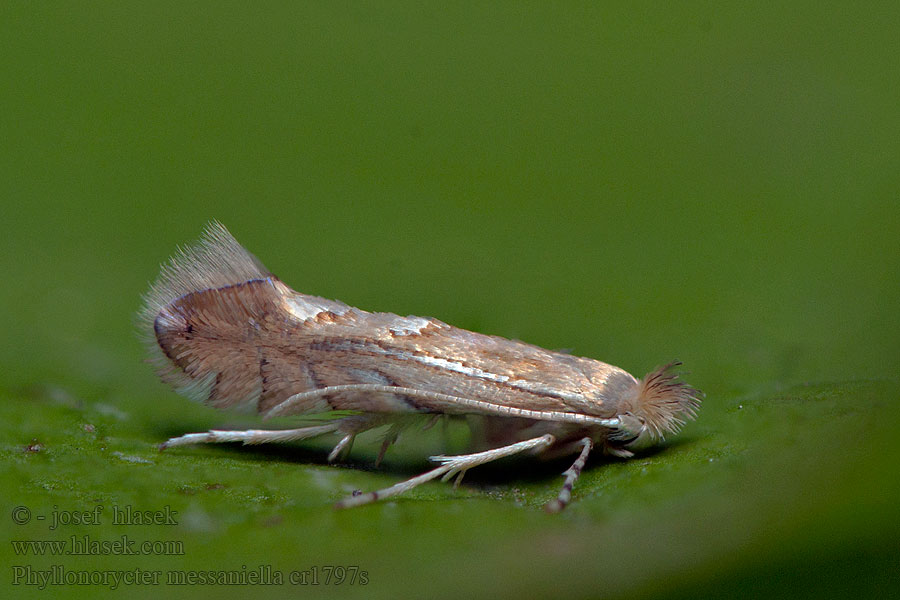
x,y
217,325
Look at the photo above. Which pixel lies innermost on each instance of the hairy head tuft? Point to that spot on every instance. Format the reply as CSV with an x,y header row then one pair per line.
x,y
661,403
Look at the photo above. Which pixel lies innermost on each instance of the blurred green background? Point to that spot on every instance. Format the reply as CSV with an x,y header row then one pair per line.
x,y
637,182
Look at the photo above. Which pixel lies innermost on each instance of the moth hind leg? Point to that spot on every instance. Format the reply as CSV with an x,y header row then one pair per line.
x,y
450,466
251,436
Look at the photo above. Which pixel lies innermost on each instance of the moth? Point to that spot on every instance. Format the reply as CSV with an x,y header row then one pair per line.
x,y
224,330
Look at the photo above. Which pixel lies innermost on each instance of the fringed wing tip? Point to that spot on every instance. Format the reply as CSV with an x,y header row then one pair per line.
x,y
215,260
665,402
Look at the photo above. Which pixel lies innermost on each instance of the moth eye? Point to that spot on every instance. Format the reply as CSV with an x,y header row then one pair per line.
x,y
629,428
642,439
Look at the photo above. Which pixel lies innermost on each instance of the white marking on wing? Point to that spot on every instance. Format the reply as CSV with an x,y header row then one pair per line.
x,y
528,386
304,307
409,325
457,367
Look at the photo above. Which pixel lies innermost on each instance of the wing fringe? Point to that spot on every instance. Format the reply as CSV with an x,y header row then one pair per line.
x,y
214,261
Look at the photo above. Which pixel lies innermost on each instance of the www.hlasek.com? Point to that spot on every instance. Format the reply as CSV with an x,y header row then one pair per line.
x,y
59,575
85,545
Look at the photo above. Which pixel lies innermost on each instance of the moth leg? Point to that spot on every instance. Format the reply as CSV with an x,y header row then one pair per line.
x,y
571,474
389,438
450,465
462,463
431,422
251,436
351,427
342,448
456,481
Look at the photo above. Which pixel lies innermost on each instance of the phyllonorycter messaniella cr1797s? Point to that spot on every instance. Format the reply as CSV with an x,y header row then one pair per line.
x,y
223,330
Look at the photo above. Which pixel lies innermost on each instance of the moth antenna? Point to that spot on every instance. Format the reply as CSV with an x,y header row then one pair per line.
x,y
662,403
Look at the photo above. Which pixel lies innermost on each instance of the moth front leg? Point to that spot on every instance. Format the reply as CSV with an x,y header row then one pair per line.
x,y
450,466
571,474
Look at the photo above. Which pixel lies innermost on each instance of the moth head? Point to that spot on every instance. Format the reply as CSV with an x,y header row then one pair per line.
x,y
659,404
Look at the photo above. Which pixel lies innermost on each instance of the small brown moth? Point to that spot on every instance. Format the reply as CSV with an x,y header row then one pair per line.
x,y
225,331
